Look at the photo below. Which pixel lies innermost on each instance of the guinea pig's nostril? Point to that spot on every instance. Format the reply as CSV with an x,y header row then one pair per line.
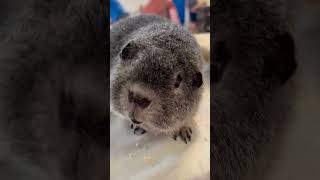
x,y
138,100
143,102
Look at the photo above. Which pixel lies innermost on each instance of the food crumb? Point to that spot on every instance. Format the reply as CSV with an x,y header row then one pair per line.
x,y
147,159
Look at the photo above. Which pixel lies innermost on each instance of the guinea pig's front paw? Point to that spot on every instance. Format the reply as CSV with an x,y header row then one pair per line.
x,y
184,133
137,130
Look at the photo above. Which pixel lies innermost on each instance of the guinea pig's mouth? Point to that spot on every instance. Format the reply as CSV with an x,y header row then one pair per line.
x,y
135,121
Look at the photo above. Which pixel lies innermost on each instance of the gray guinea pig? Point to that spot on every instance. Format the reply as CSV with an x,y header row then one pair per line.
x,y
156,79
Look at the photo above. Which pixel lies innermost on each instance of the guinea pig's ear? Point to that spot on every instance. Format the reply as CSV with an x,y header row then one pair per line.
x,y
221,57
281,64
130,51
197,80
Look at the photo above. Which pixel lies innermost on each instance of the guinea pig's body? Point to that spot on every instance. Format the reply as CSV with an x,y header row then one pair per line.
x,y
155,74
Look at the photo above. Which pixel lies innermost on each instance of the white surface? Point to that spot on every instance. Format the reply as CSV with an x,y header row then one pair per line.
x,y
132,6
160,157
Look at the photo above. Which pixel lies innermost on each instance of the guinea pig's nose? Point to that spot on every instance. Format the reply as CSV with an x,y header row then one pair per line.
x,y
143,102
140,101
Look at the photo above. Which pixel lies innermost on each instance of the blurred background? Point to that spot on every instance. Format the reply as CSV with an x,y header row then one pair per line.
x,y
299,158
193,14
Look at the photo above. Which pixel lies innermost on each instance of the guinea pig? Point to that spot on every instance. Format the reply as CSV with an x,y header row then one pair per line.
x,y
156,79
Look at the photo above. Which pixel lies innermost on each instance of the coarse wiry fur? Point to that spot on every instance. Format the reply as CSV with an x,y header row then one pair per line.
x,y
159,52
53,89
253,60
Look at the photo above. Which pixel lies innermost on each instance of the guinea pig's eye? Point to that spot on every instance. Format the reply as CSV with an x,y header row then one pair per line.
x,y
178,81
130,51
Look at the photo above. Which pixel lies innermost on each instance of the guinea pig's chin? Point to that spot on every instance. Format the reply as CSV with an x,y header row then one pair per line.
x,y
162,125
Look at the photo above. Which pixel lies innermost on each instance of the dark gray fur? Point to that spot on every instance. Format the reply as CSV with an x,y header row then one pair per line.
x,y
254,57
52,92
159,51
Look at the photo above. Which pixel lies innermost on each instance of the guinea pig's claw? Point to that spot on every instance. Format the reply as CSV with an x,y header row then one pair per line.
x,y
184,133
175,137
137,130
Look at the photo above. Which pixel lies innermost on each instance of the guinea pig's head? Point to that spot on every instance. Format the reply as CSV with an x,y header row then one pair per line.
x,y
155,87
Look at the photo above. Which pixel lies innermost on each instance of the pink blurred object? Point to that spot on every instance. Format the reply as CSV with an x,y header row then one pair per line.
x,y
164,8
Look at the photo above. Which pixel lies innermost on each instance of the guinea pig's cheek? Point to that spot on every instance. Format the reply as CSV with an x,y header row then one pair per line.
x,y
147,116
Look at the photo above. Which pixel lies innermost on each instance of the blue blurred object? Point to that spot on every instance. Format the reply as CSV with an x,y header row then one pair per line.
x,y
116,10
180,5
